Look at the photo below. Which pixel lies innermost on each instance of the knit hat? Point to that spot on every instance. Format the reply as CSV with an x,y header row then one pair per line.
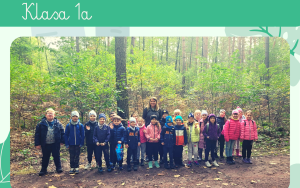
x,y
204,112
92,112
191,115
235,111
169,119
211,115
132,119
153,116
165,112
222,110
102,115
74,113
239,109
179,117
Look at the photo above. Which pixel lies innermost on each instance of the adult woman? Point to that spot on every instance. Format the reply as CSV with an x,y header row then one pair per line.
x,y
151,109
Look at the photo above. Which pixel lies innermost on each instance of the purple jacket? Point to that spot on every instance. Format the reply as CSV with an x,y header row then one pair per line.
x,y
213,131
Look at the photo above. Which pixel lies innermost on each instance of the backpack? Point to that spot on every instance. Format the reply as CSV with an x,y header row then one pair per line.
x,y
207,126
80,125
119,152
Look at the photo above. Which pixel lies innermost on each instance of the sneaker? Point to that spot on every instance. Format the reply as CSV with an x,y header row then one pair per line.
x,y
249,161
196,163
120,167
100,170
43,172
135,167
142,162
76,170
207,164
150,164
166,166
59,170
215,163
172,166
156,164
88,166
71,171
128,168
189,164
109,169
245,161
228,161
112,167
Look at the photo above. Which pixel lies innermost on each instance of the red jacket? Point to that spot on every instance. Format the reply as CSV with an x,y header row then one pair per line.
x,y
232,130
248,130
142,134
152,132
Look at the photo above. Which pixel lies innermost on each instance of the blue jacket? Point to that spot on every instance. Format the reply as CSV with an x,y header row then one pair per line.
x,y
119,133
168,136
132,138
89,133
42,129
74,139
101,135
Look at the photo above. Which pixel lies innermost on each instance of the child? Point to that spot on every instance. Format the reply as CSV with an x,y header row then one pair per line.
x,y
237,143
193,131
211,133
197,115
142,148
118,138
177,112
153,136
181,141
134,115
231,132
161,148
168,138
74,139
49,135
111,139
203,121
221,120
89,131
132,141
248,135
101,137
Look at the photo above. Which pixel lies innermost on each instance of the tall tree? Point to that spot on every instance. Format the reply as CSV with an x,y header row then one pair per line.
x,y
240,48
167,49
131,47
243,49
177,50
191,52
144,43
183,66
77,44
121,78
217,41
233,43
197,46
267,59
229,51
250,48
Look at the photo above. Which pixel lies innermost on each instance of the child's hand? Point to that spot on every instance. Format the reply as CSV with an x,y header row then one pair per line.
x,y
88,128
184,145
97,143
111,126
139,144
126,146
38,147
119,142
102,144
162,143
144,131
207,137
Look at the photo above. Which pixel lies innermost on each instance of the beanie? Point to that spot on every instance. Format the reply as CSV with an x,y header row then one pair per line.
x,y
92,112
191,115
169,119
235,111
102,115
239,109
132,119
204,112
179,117
74,113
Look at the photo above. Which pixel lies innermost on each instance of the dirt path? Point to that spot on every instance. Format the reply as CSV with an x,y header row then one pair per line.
x,y
267,171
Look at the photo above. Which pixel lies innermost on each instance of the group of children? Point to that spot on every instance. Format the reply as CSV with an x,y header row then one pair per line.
x,y
166,136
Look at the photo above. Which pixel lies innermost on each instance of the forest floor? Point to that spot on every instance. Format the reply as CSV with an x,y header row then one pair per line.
x,y
270,168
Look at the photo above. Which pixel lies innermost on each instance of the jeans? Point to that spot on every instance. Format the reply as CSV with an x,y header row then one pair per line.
x,y
168,149
210,147
74,156
153,151
47,149
192,150
141,150
131,152
99,151
221,145
177,152
229,147
247,147
91,148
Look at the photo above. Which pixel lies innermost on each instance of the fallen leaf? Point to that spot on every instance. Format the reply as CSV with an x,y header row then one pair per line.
x,y
146,174
176,176
214,168
204,167
217,179
98,180
199,184
72,174
219,172
252,181
233,184
207,186
225,184
161,174
123,183
52,186
186,175
273,163
50,180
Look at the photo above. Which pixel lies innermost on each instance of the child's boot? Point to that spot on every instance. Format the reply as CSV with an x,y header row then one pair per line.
x,y
142,162
135,167
43,172
156,164
238,153
76,170
150,164
245,161
72,171
228,160
128,167
249,161
109,169
189,164
100,170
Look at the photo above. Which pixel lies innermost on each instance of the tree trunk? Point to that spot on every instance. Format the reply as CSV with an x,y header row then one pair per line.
x,y
144,43
240,48
152,49
77,44
167,49
267,58
132,46
233,43
191,52
108,42
121,79
196,59
243,49
177,53
205,50
217,41
183,66
250,48
229,52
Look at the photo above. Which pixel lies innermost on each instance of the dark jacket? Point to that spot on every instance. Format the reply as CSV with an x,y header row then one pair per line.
x,y
111,139
132,138
101,135
42,129
167,136
147,113
89,133
119,133
181,135
213,131
221,122
74,134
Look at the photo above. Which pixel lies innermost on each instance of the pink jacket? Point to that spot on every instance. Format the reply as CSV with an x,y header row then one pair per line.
x,y
232,130
248,130
152,132
201,140
143,138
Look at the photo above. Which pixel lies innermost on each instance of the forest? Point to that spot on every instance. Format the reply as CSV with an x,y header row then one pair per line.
x,y
122,73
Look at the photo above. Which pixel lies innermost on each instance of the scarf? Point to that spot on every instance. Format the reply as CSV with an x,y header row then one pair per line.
x,y
93,121
74,122
132,128
140,126
169,127
100,126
